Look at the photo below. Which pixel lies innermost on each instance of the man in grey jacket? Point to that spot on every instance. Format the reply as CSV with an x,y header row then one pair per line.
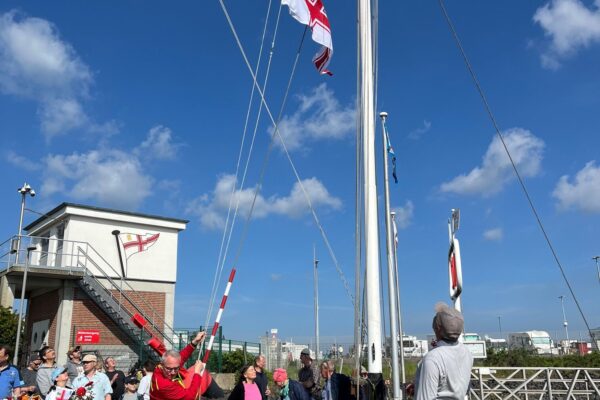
x,y
44,374
445,371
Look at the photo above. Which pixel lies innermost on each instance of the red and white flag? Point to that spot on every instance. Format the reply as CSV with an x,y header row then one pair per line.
x,y
134,243
312,13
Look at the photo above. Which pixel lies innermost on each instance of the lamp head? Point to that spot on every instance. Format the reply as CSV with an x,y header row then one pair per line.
x,y
25,189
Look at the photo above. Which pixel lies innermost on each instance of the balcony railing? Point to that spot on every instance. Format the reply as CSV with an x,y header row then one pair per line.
x,y
71,256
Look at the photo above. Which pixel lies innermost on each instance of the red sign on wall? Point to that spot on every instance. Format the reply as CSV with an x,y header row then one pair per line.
x,y
87,336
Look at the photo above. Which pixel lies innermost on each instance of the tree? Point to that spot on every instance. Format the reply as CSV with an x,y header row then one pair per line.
x,y
8,326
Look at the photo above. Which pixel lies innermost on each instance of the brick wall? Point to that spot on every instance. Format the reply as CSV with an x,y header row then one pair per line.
x,y
41,308
87,315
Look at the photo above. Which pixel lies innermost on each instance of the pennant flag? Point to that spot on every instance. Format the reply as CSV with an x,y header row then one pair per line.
x,y
134,243
390,150
312,13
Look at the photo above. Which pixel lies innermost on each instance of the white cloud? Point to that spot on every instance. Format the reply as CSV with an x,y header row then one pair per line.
x,y
319,116
496,171
113,178
276,277
570,25
158,144
21,162
583,193
211,208
404,215
419,132
36,64
495,234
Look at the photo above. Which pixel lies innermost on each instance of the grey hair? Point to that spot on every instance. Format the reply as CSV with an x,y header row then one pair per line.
x,y
171,353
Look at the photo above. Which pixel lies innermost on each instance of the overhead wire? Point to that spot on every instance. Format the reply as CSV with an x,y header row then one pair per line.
x,y
275,124
514,166
227,228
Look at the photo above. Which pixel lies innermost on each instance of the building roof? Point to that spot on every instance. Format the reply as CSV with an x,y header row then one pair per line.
x,y
62,206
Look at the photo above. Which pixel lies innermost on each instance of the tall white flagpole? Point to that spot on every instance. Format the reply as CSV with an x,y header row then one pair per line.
x,y
370,190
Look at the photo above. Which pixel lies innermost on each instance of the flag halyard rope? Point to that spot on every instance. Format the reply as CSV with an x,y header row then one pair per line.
x,y
294,169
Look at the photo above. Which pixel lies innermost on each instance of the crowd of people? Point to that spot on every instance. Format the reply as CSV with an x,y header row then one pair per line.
x,y
444,373
83,377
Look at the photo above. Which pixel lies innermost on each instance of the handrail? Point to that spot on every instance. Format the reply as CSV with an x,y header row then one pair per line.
x,y
68,257
122,293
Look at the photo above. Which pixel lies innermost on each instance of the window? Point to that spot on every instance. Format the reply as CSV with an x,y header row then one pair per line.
x,y
541,340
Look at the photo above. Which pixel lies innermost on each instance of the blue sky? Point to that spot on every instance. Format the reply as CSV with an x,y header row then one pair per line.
x,y
142,107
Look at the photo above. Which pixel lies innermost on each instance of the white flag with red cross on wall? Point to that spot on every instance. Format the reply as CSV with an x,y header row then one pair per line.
x,y
134,243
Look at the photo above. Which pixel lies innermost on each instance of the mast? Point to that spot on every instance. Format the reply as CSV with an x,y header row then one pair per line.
x,y
316,276
370,189
391,266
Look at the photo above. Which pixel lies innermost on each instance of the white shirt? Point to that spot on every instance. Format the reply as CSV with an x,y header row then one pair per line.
x,y
144,387
444,373
59,393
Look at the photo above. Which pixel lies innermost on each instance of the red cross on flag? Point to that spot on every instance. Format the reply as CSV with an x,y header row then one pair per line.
x,y
312,13
134,243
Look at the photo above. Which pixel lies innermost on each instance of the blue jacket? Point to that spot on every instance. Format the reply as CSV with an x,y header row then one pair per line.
x,y
340,386
297,391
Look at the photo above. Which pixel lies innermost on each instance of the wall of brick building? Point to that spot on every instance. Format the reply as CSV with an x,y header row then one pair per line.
x,y
87,315
41,308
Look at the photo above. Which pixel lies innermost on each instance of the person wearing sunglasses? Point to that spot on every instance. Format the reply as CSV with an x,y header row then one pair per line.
x,y
91,379
167,381
29,373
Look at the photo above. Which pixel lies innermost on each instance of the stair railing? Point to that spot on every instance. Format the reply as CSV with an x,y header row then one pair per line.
x,y
155,321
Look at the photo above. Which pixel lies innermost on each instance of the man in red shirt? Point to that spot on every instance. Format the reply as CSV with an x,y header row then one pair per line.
x,y
167,382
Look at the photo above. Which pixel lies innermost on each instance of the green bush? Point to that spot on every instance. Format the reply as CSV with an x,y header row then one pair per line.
x,y
523,358
235,360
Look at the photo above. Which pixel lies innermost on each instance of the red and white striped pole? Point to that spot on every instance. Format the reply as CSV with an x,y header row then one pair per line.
x,y
219,314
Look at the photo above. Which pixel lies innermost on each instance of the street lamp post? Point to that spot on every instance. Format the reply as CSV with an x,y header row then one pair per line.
x,y
24,191
565,323
597,266
16,356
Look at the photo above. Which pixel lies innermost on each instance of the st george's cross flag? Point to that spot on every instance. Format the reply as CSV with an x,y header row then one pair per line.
x,y
312,13
134,243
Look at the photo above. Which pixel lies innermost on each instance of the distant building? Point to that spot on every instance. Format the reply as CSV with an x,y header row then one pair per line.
x,y
78,292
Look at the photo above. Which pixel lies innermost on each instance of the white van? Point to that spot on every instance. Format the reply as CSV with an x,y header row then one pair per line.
x,y
538,341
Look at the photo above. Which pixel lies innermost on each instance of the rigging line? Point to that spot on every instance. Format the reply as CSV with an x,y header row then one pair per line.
x,y
250,151
276,131
272,140
219,268
267,74
519,178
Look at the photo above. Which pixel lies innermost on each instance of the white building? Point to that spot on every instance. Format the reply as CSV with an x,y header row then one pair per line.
x,y
79,292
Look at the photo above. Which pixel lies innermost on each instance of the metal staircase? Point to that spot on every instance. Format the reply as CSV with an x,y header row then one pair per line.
x,y
109,294
97,278
106,301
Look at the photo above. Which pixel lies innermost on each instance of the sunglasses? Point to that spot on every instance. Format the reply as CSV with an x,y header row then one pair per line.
x,y
174,369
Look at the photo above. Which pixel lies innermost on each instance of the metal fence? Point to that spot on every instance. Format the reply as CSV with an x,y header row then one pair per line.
x,y
534,383
221,345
